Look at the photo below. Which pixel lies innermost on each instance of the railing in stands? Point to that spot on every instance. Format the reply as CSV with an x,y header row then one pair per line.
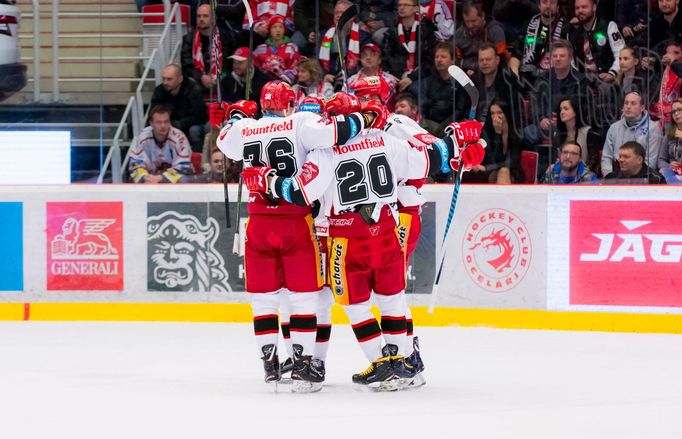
x,y
162,55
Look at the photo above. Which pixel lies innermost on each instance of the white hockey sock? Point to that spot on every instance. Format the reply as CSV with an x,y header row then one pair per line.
x,y
265,326
366,329
409,344
284,315
393,324
324,323
303,321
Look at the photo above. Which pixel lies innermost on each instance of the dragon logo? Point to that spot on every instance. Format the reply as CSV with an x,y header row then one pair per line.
x,y
182,254
496,250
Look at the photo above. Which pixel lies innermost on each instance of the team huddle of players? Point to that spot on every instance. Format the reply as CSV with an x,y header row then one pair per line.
x,y
334,207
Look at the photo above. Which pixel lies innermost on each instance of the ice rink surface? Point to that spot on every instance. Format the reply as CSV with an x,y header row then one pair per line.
x,y
192,381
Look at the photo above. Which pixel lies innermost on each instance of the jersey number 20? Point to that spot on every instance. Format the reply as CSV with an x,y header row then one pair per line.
x,y
356,180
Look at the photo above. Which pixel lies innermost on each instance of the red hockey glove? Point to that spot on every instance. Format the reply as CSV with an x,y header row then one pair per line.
x,y
256,178
465,132
216,113
379,111
471,156
242,108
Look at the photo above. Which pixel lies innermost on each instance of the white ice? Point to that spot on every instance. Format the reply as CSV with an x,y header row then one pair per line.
x,y
195,381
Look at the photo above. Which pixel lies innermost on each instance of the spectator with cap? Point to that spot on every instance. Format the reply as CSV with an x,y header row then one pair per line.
x,y
632,166
277,57
234,83
370,61
263,10
183,96
200,58
570,169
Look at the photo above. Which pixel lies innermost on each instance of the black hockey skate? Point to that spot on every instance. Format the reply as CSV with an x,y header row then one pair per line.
x,y
417,365
306,376
271,364
379,376
286,367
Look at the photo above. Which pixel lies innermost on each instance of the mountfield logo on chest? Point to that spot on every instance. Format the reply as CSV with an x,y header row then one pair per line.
x,y
497,250
365,144
85,246
625,253
287,125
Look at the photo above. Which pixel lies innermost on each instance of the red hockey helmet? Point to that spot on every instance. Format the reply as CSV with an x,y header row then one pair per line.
x,y
371,86
312,104
276,96
342,103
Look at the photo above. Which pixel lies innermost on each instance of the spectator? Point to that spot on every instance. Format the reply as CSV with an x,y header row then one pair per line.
x,y
570,168
378,16
573,127
596,42
513,15
404,56
306,28
496,83
636,126
666,25
406,104
437,101
438,13
502,162
311,81
670,84
234,84
277,57
183,97
201,60
263,10
534,51
670,160
632,166
632,76
354,36
476,31
631,18
161,153
216,167
229,16
370,60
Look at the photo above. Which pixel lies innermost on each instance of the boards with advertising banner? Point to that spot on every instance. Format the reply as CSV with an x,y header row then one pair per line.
x,y
11,246
621,254
84,246
496,249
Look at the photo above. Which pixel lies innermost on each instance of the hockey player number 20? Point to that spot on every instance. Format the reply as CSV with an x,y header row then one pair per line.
x,y
356,179
279,153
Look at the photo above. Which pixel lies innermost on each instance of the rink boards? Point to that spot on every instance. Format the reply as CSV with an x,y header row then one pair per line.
x,y
578,257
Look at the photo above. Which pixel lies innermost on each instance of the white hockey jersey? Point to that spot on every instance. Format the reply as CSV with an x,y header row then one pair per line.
x,y
171,159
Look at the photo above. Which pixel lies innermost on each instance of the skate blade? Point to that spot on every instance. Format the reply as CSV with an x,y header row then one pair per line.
x,y
300,386
273,385
412,383
391,385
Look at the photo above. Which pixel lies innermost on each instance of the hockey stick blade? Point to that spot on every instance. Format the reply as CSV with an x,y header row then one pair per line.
x,y
249,15
347,16
463,79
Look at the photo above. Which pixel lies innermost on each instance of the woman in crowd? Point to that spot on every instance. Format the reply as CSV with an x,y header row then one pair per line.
x,y
670,160
572,126
311,81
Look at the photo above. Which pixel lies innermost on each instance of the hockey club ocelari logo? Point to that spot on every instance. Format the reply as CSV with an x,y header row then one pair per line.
x,y
497,250
85,246
183,256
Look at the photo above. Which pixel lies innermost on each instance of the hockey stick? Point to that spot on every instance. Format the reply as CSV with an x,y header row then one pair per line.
x,y
247,95
462,79
347,16
219,95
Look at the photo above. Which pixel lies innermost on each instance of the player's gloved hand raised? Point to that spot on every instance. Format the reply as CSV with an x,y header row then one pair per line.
x,y
216,113
465,132
378,112
470,156
242,109
256,178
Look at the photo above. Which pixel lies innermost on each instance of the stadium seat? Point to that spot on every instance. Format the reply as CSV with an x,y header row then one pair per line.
x,y
196,163
529,165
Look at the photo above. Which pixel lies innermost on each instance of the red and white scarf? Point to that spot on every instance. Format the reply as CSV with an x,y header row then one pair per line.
x,y
411,46
216,49
429,11
353,55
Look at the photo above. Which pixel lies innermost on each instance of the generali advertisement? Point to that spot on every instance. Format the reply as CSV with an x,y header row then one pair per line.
x,y
85,246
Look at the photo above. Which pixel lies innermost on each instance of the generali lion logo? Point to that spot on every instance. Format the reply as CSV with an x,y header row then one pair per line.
x,y
84,239
497,250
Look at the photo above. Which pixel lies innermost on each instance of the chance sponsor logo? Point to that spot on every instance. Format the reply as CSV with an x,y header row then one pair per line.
x,y
497,250
625,253
85,246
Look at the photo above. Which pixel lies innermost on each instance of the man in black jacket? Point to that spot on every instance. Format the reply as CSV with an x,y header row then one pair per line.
x,y
183,96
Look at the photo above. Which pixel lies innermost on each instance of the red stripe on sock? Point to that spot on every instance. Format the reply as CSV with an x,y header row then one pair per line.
x,y
368,321
266,316
274,331
392,318
371,337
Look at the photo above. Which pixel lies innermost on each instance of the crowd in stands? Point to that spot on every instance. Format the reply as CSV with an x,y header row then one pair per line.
x,y
592,87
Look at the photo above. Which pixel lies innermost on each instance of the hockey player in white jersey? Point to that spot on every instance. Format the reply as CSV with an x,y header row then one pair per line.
x,y
281,251
365,254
